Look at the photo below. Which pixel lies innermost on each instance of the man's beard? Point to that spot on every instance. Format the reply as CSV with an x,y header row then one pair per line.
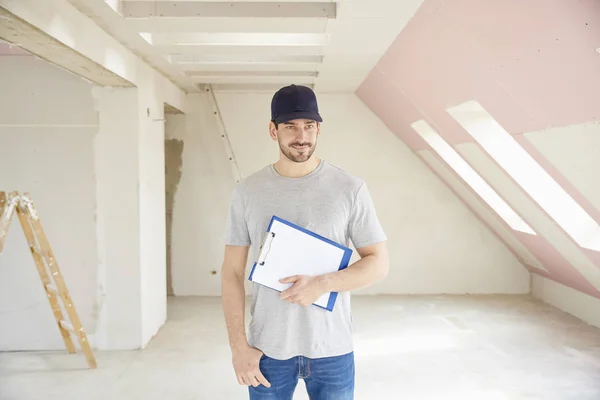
x,y
298,158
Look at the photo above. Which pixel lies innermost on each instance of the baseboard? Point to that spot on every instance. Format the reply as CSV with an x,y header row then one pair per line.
x,y
581,305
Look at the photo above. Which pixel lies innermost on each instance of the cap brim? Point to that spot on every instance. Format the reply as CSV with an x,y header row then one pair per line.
x,y
298,115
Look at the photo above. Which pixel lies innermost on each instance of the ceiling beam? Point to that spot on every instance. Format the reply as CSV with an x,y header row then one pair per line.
x,y
251,66
240,9
244,87
236,39
215,59
251,73
228,25
284,80
235,50
21,33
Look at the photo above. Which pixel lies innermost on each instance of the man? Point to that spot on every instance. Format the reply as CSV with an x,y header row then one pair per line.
x,y
289,338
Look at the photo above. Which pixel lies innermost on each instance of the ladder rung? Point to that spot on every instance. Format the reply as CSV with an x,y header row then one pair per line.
x,y
52,288
67,326
47,267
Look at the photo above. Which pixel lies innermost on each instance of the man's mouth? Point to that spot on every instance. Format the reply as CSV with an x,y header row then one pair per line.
x,y
301,146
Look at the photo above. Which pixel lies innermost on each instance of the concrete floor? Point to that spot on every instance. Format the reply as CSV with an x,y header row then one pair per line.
x,y
424,347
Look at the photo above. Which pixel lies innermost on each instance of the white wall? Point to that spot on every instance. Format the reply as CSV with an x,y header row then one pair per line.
x,y
480,207
130,166
47,129
116,157
575,152
437,245
93,160
576,303
152,228
200,205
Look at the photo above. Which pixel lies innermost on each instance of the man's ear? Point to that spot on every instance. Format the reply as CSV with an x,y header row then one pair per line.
x,y
272,130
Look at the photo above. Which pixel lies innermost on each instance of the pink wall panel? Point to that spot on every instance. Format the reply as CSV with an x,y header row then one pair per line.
x,y
531,63
559,268
505,55
438,63
397,114
593,255
543,53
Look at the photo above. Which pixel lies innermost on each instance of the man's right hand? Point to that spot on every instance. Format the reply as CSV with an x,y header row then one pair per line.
x,y
246,362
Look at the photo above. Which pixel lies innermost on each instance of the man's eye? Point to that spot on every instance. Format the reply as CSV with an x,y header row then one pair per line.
x,y
309,126
290,127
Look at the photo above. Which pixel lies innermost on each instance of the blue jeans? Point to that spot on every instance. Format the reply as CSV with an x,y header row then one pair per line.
x,y
329,378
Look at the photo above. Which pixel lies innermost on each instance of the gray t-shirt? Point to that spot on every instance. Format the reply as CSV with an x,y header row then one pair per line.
x,y
329,202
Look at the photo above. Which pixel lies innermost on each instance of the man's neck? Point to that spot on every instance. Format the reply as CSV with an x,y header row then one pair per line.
x,y
291,169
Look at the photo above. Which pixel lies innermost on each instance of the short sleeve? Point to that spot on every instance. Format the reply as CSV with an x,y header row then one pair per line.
x,y
236,228
364,227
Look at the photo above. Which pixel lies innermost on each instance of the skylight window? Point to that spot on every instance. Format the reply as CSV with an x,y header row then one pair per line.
x,y
507,152
471,177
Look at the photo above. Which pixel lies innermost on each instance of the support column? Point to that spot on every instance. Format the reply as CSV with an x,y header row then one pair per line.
x,y
116,153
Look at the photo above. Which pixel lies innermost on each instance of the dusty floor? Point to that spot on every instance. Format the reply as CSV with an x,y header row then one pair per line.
x,y
433,347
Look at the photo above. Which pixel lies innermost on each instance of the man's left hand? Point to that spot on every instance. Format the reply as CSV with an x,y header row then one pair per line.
x,y
304,291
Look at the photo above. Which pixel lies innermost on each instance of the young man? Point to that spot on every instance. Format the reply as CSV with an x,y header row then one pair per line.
x,y
289,338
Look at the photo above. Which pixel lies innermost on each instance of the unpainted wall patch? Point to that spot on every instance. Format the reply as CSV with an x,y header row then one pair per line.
x,y
173,172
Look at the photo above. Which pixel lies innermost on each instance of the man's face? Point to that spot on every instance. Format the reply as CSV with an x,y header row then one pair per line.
x,y
297,138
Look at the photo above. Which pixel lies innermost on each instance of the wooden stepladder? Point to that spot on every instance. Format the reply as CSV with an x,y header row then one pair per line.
x,y
45,261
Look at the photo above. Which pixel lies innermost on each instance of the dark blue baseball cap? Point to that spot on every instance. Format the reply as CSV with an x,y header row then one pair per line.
x,y
294,102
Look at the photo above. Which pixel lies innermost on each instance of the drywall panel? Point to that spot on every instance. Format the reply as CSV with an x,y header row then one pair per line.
x,y
535,216
48,125
65,199
35,93
483,211
152,228
200,200
116,158
129,155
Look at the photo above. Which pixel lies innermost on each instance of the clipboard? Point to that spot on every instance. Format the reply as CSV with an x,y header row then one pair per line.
x,y
289,249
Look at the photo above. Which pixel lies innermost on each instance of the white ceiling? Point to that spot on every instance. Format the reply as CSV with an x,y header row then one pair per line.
x,y
329,45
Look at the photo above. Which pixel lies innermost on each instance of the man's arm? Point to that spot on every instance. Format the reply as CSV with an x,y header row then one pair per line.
x,y
364,229
233,294
372,267
246,359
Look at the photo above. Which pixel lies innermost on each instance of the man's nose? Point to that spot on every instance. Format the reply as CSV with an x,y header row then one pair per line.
x,y
302,136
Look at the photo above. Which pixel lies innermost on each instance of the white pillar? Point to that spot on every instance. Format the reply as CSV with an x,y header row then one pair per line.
x,y
153,240
116,152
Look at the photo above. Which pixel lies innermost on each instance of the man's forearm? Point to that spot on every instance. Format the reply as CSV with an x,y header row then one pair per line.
x,y
233,295
364,272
